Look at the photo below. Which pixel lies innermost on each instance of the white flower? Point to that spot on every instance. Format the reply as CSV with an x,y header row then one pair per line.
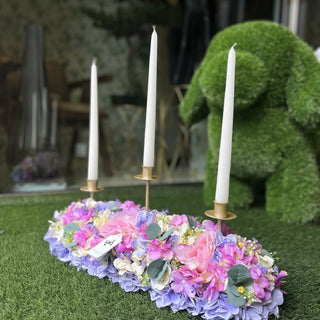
x,y
90,203
266,261
164,281
135,268
121,265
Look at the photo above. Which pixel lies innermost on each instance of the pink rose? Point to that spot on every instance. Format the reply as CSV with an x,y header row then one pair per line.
x,y
122,222
198,255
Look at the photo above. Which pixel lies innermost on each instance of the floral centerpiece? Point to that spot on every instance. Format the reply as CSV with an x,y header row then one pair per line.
x,y
181,262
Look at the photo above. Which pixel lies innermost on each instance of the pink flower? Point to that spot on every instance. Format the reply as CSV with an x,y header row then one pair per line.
x,y
82,235
209,225
278,282
129,207
197,256
122,222
67,218
261,284
179,220
159,249
182,281
230,256
217,281
95,241
125,244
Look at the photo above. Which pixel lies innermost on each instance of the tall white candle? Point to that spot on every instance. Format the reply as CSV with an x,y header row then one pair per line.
x,y
94,126
149,135
294,15
223,176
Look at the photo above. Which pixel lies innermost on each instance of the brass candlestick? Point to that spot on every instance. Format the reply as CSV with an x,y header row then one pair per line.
x,y
147,176
220,213
92,187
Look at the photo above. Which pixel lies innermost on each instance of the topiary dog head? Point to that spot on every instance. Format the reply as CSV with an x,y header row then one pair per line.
x,y
274,69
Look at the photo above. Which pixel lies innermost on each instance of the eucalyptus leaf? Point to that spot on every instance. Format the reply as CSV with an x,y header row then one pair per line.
x,y
245,283
192,223
70,244
239,273
234,290
153,230
155,268
166,234
264,252
161,273
71,227
235,300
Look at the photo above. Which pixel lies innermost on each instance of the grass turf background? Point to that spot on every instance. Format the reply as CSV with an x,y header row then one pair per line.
x,y
35,285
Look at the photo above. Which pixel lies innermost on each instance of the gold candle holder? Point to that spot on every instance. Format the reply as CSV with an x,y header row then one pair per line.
x,y
220,213
147,176
92,187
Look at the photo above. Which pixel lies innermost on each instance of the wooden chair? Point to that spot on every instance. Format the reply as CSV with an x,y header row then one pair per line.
x,y
76,115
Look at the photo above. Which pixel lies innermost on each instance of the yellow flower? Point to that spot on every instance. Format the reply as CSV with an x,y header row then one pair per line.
x,y
241,289
240,244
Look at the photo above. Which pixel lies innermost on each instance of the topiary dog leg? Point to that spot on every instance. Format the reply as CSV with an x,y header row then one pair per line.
x,y
291,196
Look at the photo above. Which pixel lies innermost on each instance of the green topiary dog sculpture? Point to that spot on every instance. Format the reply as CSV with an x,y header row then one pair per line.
x,y
277,108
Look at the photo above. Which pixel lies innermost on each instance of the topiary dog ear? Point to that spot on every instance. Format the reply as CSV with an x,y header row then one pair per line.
x,y
250,81
303,87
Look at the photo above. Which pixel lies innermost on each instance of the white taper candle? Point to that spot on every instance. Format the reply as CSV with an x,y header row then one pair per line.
x,y
149,135
223,176
93,152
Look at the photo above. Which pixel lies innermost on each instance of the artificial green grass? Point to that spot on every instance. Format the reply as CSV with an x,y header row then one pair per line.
x,y
35,285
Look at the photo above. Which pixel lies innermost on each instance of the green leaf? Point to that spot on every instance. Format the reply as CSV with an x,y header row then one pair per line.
x,y
264,252
71,227
236,300
245,283
166,234
70,244
69,230
239,273
153,230
234,290
238,276
163,270
192,223
156,268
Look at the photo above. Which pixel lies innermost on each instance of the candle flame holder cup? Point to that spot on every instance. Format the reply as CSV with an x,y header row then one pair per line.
x,y
92,187
220,213
147,176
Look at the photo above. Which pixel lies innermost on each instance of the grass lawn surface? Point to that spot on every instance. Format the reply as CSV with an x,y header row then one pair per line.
x,y
35,285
